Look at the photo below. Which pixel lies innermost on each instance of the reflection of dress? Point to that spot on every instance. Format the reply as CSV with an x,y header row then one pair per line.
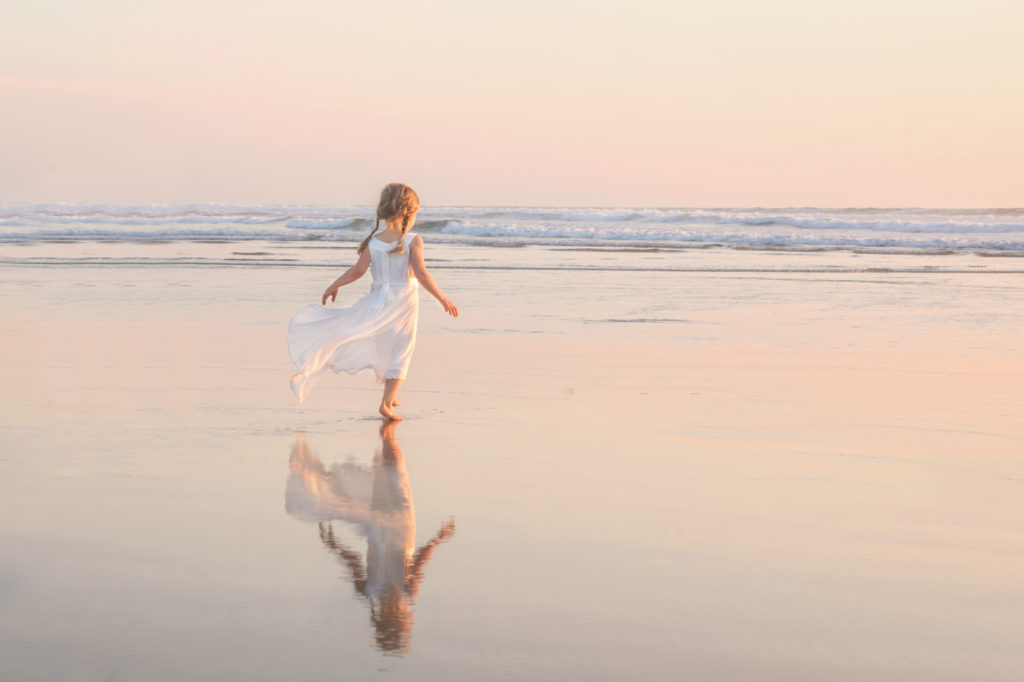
x,y
376,332
378,502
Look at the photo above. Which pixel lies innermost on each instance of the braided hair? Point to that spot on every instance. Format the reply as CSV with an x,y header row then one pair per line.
x,y
396,201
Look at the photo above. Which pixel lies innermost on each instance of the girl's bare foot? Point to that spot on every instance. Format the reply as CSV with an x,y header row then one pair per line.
x,y
396,402
388,413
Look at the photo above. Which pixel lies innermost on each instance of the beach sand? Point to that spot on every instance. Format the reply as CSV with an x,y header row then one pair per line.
x,y
753,466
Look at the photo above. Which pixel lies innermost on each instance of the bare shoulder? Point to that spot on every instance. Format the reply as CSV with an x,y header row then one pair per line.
x,y
417,241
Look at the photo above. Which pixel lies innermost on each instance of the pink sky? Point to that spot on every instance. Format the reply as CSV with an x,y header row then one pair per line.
x,y
732,102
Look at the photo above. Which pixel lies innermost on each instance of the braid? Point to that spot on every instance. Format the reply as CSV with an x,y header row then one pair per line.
x,y
366,242
400,248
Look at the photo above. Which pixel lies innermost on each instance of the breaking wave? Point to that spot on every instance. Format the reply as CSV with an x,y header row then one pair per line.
x,y
996,229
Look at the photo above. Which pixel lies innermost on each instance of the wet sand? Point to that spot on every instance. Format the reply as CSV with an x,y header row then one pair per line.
x,y
725,475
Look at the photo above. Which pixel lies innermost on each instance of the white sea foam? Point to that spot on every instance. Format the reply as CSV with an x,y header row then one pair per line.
x,y
327,223
956,229
574,235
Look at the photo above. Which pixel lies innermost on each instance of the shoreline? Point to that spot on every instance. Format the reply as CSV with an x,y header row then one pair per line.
x,y
817,476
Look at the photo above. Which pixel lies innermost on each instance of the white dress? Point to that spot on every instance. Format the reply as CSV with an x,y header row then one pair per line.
x,y
376,332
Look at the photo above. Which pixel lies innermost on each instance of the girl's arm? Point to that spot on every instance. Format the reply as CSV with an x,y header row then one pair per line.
x,y
419,269
422,556
351,275
351,560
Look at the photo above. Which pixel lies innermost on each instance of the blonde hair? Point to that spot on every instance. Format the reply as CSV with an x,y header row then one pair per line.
x,y
396,201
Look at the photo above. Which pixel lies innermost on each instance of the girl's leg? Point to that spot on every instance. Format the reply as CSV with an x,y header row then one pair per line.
x,y
388,401
391,396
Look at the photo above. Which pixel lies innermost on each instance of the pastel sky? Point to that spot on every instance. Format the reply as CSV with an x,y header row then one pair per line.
x,y
533,102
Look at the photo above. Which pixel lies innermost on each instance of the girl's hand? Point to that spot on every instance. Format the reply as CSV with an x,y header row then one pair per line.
x,y
332,293
449,307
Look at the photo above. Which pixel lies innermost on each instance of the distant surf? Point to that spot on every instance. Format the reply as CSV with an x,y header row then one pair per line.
x,y
921,229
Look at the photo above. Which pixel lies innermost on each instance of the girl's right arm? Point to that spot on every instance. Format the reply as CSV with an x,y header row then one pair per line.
x,y
419,268
351,275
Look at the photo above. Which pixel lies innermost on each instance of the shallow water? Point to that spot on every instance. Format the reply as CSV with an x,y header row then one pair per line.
x,y
658,474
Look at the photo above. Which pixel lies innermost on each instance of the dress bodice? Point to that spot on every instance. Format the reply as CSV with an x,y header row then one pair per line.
x,y
386,266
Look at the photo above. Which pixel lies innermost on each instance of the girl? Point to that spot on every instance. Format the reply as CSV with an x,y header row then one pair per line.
x,y
378,331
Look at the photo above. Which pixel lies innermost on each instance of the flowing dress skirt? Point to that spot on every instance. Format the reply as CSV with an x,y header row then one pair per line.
x,y
377,332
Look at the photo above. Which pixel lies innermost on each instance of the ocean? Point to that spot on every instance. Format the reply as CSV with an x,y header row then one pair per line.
x,y
994,231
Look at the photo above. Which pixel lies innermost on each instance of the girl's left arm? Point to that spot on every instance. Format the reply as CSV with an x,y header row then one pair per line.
x,y
422,556
419,268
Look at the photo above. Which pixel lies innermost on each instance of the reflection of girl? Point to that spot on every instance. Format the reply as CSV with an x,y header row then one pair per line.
x,y
379,503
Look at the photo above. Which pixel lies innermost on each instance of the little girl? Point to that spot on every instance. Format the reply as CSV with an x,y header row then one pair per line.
x,y
378,331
